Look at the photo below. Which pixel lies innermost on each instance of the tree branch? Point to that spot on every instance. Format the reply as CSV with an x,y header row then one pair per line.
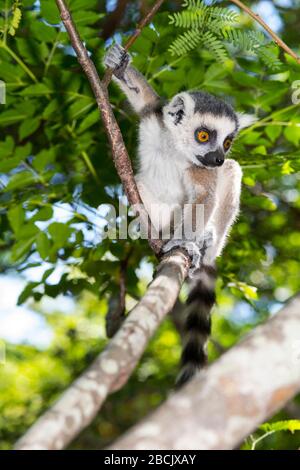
x,y
119,152
148,17
259,20
113,20
228,400
110,371
112,368
234,374
116,312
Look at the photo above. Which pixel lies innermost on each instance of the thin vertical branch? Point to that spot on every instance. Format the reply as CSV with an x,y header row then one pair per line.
x,y
133,38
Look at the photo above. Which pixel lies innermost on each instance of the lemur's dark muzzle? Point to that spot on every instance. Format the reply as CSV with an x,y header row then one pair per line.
x,y
212,159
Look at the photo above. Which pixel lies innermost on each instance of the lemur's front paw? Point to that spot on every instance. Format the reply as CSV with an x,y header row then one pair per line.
x,y
191,247
117,58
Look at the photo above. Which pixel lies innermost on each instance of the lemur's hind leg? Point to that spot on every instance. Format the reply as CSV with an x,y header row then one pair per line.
x,y
141,95
228,195
201,298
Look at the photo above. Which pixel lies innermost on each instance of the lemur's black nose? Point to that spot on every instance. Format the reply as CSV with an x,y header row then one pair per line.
x,y
215,158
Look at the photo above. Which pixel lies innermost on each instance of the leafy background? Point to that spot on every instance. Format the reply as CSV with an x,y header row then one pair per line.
x,y
56,169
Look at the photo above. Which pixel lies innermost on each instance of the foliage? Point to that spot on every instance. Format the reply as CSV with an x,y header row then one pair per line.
x,y
11,19
291,425
32,379
56,168
209,26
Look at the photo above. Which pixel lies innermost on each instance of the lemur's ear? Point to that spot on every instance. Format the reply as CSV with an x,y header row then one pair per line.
x,y
246,120
180,106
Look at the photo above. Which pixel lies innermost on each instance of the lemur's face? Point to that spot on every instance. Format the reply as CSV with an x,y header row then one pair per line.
x,y
203,127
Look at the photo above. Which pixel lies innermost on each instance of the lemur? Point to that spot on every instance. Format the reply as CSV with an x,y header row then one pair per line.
x,y
182,148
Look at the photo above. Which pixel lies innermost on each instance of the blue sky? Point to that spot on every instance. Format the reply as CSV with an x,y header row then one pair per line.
x,y
18,323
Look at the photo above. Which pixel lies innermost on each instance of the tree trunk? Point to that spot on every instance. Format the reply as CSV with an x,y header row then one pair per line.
x,y
226,402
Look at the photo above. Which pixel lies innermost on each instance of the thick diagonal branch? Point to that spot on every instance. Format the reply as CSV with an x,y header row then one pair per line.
x,y
111,370
225,403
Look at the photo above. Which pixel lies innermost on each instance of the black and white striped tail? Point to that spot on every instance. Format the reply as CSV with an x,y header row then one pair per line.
x,y
197,323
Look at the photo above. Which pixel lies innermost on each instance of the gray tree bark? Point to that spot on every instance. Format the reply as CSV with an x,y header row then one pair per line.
x,y
226,402
110,371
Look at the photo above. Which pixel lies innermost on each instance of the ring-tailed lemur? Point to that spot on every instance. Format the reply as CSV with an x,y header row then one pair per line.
x,y
182,149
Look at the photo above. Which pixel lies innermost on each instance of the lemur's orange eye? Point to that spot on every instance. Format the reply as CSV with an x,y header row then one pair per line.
x,y
202,136
227,144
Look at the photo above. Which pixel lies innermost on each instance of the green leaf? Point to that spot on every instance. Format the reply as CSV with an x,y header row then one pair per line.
x,y
287,168
28,230
23,151
215,46
260,150
273,132
81,105
28,127
89,121
214,72
268,203
186,42
251,138
188,19
86,17
269,55
42,31
11,72
12,162
291,425
47,273
43,245
45,213
26,292
36,90
292,133
52,108
20,180
44,158
249,181
49,11
11,116
249,292
22,248
59,233
32,51
9,164
16,217
6,147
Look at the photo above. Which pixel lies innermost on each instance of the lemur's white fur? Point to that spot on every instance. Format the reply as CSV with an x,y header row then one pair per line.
x,y
169,173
